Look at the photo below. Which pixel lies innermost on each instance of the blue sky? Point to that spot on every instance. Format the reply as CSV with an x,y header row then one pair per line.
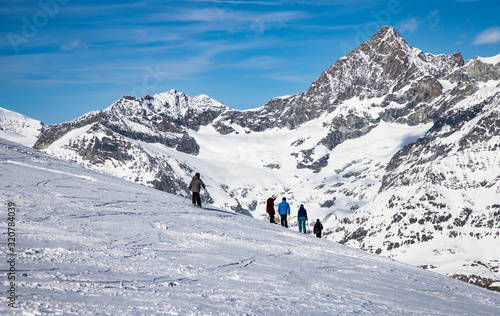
x,y
60,59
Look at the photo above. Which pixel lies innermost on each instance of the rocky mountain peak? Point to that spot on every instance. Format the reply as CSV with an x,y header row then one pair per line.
x,y
172,104
386,41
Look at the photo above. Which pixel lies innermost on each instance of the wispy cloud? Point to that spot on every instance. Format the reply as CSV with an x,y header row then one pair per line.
x,y
75,45
236,2
433,18
275,20
227,15
279,3
409,25
489,36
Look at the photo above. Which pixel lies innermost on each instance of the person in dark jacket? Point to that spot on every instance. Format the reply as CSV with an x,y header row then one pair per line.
x,y
284,210
302,216
195,186
318,227
270,208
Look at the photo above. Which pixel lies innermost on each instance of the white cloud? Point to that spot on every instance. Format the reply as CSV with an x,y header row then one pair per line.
x,y
409,25
74,45
489,36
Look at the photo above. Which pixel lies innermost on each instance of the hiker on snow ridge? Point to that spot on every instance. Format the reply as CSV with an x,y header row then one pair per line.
x,y
270,208
195,187
318,227
302,216
284,210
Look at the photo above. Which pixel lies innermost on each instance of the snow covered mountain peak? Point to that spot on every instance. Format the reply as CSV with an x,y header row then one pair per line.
x,y
385,64
386,41
173,104
494,60
182,103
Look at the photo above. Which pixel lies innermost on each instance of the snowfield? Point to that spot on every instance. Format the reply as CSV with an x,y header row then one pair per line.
x,y
90,244
19,128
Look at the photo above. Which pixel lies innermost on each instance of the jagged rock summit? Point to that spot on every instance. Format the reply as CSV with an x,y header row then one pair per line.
x,y
162,118
384,67
396,150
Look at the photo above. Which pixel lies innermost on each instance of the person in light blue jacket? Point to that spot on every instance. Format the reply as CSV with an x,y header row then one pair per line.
x,y
284,210
302,219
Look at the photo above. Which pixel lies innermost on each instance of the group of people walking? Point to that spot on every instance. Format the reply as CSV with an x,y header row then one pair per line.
x,y
284,212
283,208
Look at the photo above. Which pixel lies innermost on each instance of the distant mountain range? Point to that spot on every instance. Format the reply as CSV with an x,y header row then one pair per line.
x,y
395,150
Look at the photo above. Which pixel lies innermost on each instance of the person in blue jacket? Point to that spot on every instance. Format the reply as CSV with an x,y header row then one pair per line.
x,y
284,210
302,219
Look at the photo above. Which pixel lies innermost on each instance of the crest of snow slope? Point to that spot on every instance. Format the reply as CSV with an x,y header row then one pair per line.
x,y
19,128
490,60
91,244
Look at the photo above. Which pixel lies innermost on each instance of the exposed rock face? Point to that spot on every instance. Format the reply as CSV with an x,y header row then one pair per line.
x,y
482,72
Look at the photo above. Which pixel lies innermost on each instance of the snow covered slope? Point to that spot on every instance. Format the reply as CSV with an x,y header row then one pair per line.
x,y
19,128
91,244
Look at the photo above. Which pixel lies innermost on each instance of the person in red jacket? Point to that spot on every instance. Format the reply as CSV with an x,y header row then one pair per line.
x,y
270,208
